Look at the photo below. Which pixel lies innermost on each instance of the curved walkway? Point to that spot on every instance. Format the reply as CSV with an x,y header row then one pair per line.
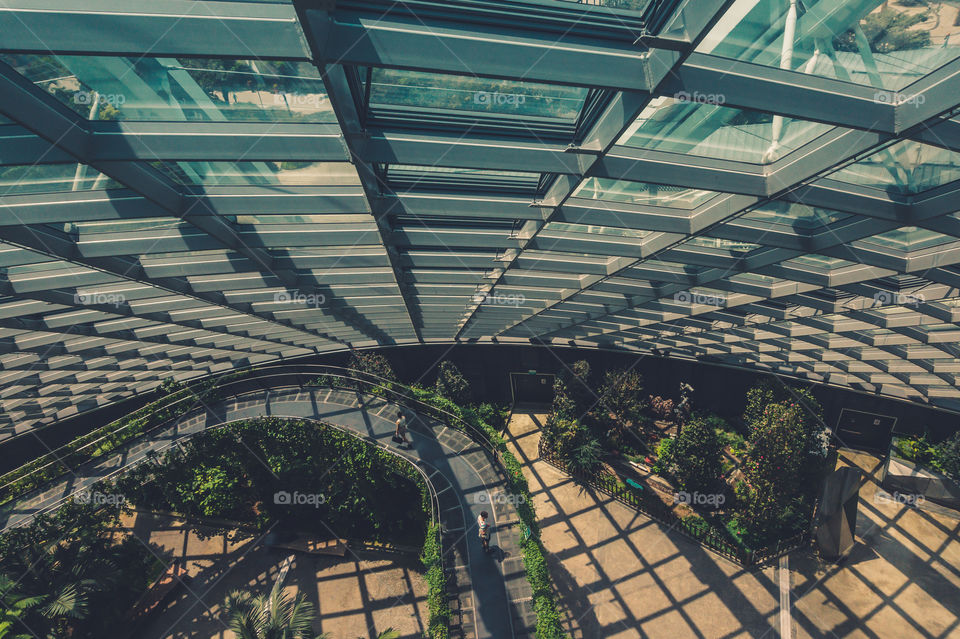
x,y
492,591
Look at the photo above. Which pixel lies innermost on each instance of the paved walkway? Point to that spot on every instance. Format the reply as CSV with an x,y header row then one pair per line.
x,y
493,593
902,579
620,575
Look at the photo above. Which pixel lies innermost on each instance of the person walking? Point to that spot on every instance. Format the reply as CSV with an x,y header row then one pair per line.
x,y
400,435
484,531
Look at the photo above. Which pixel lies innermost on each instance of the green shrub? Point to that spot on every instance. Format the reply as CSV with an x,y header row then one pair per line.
x,y
439,622
452,384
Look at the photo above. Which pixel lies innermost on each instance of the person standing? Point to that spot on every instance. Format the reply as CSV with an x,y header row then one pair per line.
x,y
400,435
484,531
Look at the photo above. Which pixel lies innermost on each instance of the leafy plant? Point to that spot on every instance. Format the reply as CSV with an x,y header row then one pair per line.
x,y
452,384
373,364
273,616
695,456
586,457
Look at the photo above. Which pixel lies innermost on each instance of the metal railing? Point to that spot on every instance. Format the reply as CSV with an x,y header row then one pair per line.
x,y
654,508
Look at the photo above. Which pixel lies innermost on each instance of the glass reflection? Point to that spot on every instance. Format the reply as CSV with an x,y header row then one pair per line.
x,y
875,43
171,89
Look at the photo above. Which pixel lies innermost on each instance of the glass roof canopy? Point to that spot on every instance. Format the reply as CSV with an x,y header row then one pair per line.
x,y
173,205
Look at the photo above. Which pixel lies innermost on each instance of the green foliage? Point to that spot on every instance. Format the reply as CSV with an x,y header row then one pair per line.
x,y
943,457
621,399
235,473
439,623
948,456
452,384
273,616
372,363
111,437
773,497
886,31
695,455
538,574
664,464
171,385
62,575
585,458
496,415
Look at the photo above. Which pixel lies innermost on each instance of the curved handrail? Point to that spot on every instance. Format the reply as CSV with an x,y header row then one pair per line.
x,y
266,380
237,377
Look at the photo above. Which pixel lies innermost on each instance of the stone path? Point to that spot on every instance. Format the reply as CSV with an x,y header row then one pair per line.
x,y
493,597
621,575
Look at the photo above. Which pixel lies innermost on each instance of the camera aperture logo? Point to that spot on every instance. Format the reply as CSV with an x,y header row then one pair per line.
x,y
291,100
895,98
499,299
296,498
713,500
96,498
689,297
483,497
700,98
886,298
905,499
89,98
495,98
296,297
95,298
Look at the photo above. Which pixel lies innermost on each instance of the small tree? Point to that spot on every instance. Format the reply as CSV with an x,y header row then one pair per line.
x,y
578,388
372,364
270,616
622,396
772,496
948,456
452,384
696,456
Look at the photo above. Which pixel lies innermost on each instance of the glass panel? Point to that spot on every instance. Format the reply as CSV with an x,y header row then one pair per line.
x,y
52,178
875,43
735,246
818,261
909,238
404,176
571,227
399,87
632,5
115,88
260,173
642,193
799,216
905,167
711,130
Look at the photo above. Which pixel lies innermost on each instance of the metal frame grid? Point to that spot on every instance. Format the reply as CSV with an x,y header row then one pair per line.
x,y
191,186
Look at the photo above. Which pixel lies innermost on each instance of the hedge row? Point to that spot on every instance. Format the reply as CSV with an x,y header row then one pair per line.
x,y
534,557
439,623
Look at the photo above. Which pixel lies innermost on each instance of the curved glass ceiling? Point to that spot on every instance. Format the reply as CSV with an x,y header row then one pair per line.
x,y
234,186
